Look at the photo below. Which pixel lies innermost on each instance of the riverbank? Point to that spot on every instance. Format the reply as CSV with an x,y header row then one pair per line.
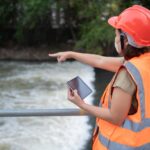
x,y
31,53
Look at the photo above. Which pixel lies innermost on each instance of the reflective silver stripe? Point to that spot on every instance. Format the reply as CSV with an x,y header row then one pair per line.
x,y
136,127
136,74
116,146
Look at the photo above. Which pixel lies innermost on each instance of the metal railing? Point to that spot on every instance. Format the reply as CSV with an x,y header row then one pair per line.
x,y
42,112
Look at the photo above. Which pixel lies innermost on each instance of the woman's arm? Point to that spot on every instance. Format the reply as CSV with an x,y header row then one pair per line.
x,y
98,61
120,105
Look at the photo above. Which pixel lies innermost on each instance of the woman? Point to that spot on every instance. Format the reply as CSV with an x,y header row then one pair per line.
x,y
123,117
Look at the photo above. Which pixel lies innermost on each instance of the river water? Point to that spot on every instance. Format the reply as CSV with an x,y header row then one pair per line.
x,y
38,86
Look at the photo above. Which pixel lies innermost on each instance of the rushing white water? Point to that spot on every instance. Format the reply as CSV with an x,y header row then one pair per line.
x,y
41,85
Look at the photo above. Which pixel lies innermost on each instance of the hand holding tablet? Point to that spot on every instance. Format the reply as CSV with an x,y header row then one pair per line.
x,y
78,84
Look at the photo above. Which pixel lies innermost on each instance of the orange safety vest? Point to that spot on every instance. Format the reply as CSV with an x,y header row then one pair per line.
x,y
134,133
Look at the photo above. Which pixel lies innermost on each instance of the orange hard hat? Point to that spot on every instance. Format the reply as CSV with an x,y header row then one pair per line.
x,y
135,21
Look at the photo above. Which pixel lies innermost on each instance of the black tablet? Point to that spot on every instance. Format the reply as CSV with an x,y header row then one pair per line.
x,y
78,84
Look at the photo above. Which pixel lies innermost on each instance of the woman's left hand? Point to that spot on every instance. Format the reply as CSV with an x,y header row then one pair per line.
x,y
74,97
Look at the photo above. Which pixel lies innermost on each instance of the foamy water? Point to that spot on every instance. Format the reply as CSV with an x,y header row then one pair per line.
x,y
36,86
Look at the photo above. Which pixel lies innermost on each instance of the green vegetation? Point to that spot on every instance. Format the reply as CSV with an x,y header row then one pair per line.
x,y
34,22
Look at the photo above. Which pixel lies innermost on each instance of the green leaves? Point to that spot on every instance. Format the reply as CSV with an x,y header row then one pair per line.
x,y
86,20
95,31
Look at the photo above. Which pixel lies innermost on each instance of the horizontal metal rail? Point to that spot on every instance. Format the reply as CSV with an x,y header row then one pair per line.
x,y
42,112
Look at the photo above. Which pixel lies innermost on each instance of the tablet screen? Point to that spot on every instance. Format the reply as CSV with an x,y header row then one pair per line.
x,y
80,85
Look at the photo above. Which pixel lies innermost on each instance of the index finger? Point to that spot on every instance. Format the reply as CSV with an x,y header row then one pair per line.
x,y
53,55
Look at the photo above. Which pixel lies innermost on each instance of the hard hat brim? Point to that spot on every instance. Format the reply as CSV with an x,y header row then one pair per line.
x,y
113,21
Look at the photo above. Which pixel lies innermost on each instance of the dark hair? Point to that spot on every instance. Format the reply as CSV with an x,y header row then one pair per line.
x,y
130,51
